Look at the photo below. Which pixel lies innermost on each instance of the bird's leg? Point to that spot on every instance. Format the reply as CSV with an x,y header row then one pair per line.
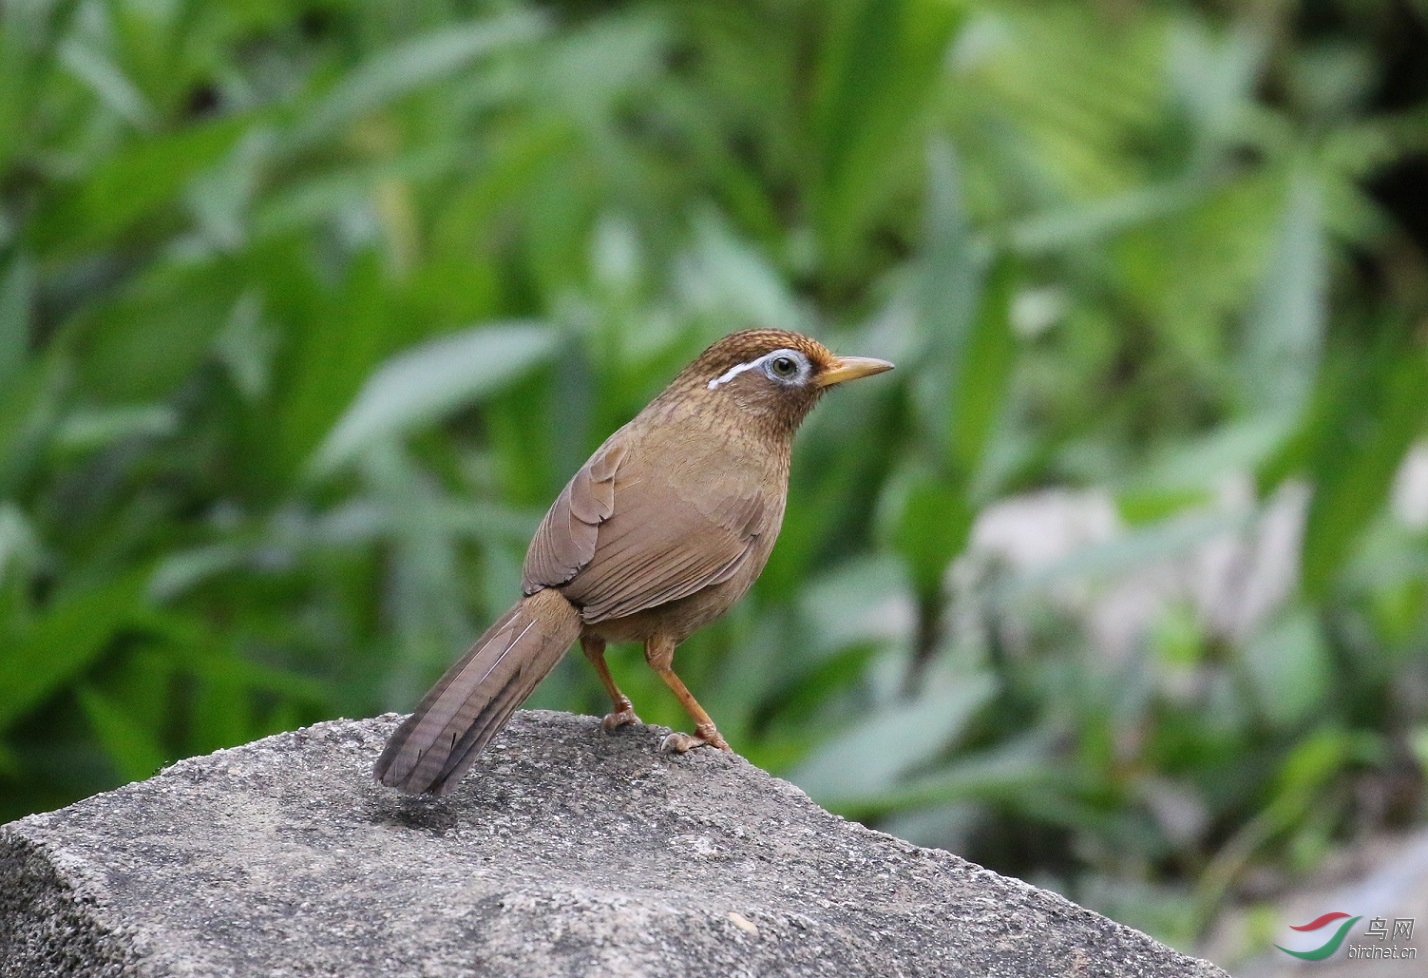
x,y
624,712
659,653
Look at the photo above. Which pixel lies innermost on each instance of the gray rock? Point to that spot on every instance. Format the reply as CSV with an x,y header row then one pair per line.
x,y
566,852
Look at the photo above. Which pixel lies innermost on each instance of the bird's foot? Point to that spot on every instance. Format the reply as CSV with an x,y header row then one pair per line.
x,y
704,735
622,717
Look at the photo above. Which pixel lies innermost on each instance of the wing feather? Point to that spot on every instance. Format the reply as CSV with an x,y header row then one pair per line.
x,y
616,543
681,549
565,540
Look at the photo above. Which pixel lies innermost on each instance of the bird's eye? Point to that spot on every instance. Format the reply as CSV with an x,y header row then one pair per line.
x,y
784,366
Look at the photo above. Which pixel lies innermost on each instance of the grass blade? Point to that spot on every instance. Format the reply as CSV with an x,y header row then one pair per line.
x,y
419,386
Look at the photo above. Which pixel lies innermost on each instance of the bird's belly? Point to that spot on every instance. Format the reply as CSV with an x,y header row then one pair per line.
x,y
679,619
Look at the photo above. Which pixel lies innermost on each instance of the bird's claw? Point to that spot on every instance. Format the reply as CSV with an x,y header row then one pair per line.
x,y
679,743
620,718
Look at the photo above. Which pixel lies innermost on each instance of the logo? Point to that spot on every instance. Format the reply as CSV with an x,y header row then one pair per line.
x,y
1378,929
1332,944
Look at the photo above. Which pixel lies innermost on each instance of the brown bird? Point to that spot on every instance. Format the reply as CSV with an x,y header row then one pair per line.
x,y
658,534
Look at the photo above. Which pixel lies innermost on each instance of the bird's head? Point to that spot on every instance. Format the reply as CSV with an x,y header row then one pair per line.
x,y
773,374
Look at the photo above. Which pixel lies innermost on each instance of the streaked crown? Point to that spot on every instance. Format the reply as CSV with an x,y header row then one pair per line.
x,y
772,374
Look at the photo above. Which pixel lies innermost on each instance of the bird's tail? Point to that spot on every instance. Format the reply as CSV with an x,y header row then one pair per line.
x,y
436,745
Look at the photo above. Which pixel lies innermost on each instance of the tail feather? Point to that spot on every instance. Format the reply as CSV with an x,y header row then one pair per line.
x,y
470,704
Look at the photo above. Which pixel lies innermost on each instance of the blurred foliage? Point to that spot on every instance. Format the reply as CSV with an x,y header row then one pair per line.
x,y
308,309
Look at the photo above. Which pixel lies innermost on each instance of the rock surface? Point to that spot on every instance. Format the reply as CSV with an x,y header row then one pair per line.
x,y
565,852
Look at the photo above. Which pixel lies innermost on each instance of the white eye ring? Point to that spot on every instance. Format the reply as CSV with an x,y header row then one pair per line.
x,y
773,366
784,368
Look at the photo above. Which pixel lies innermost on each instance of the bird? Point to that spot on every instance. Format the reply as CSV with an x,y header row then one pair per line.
x,y
664,527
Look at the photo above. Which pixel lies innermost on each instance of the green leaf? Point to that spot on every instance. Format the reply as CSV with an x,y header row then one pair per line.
x,y
222,714
420,386
29,411
859,600
876,72
89,429
185,570
108,82
1147,506
17,288
950,277
962,382
1131,551
188,644
127,186
1285,327
19,557
869,759
133,749
1094,222
734,280
1192,465
423,600
221,665
348,330
62,642
986,362
1021,772
932,528
143,342
1288,665
411,65
1361,440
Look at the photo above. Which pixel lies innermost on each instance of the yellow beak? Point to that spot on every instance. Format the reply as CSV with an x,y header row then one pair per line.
x,y
850,368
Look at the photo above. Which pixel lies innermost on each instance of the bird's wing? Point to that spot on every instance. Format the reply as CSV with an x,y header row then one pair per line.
x,y
565,540
617,543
